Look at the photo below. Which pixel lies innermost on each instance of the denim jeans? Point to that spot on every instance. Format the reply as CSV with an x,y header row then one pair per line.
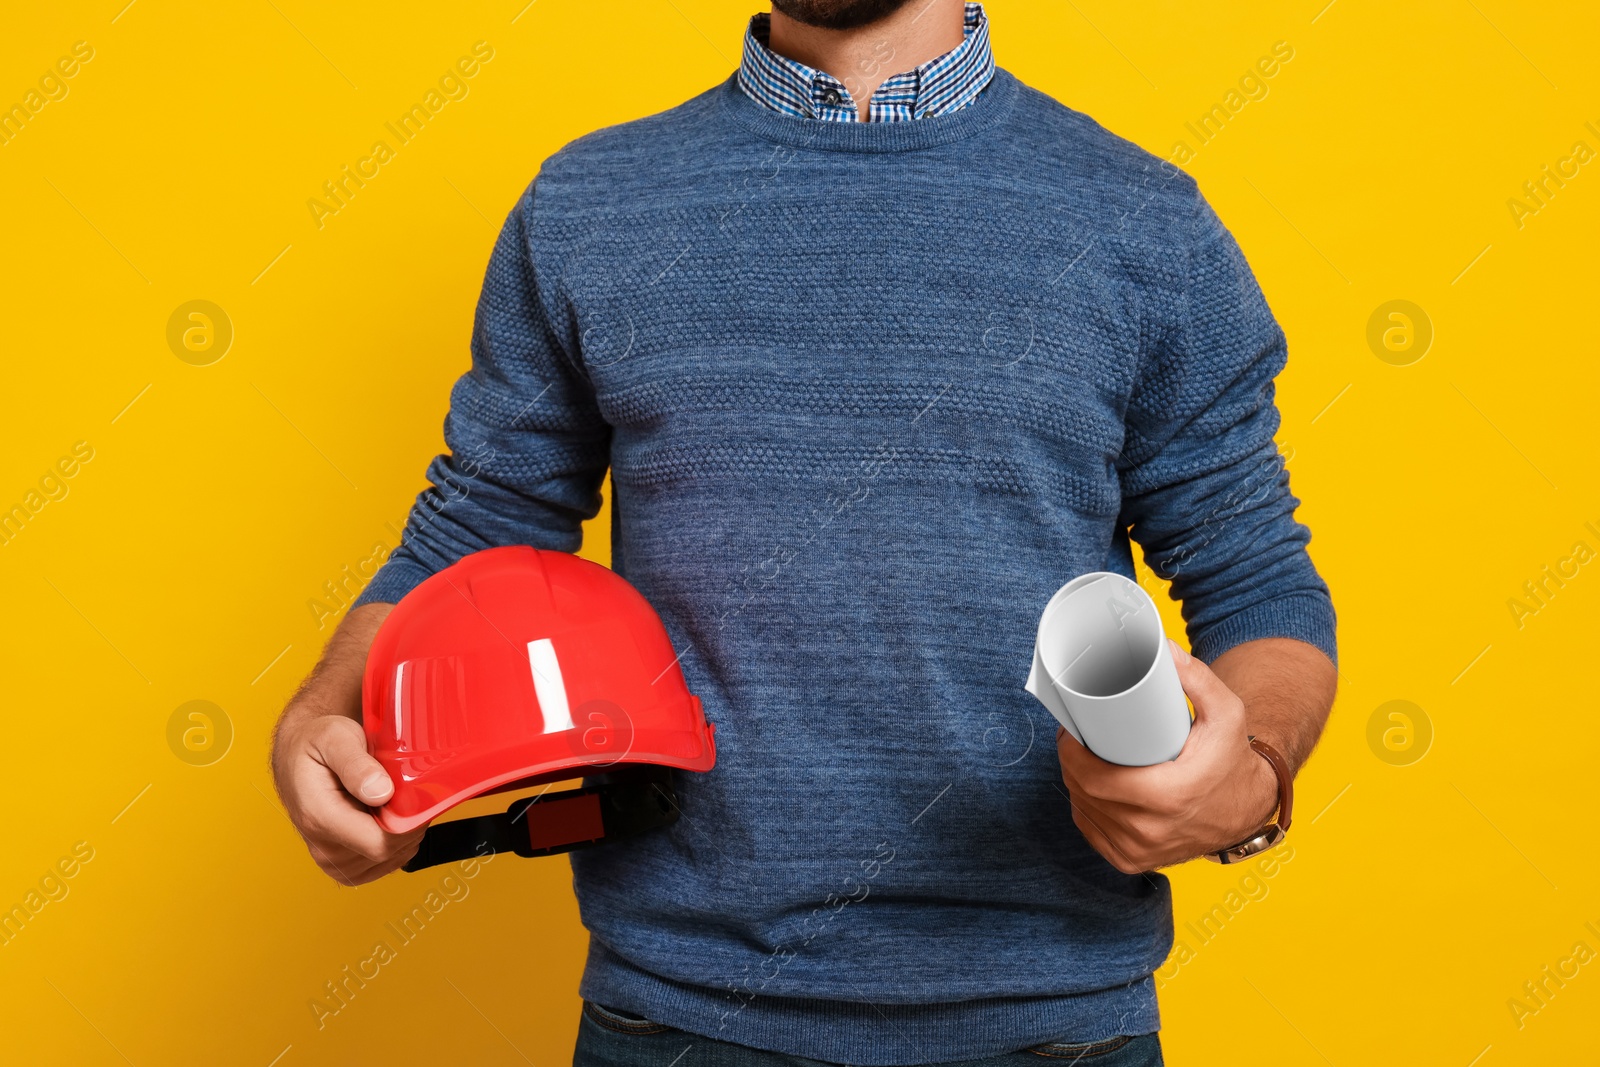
x,y
610,1039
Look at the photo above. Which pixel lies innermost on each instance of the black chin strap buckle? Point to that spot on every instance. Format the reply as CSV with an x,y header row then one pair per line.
x,y
608,807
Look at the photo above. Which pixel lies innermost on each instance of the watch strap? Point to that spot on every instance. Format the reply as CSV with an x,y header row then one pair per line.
x,y
1272,833
1280,767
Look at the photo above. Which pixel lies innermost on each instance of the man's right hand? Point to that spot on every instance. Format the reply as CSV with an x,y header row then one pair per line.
x,y
326,779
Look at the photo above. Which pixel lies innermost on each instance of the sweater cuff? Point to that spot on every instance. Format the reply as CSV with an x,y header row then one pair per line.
x,y
397,577
1303,617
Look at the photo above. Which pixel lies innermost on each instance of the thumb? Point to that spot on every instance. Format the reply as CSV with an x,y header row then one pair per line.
x,y
342,748
1214,703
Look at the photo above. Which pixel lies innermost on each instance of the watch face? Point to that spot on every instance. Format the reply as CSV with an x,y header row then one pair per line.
x,y
1262,840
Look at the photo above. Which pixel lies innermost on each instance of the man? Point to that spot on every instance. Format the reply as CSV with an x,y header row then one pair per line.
x,y
881,347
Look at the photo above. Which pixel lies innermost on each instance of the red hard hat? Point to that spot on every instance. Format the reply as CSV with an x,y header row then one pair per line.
x,y
517,666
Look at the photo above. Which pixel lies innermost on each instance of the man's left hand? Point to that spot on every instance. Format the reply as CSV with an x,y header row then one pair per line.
x,y
1216,793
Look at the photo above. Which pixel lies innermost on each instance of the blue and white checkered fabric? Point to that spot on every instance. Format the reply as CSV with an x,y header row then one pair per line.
x,y
941,85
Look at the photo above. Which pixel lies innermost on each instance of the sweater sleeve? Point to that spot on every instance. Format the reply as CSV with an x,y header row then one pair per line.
x,y
527,446
1205,491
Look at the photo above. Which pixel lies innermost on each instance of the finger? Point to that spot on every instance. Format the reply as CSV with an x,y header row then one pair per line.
x,y
335,820
357,871
1078,761
341,746
399,848
1070,749
351,868
1145,788
1103,842
350,873
1215,705
339,863
395,861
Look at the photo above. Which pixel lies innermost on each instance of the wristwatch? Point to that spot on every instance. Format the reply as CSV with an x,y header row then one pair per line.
x,y
1273,832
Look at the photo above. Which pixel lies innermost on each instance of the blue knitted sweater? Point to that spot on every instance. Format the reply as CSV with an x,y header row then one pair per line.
x,y
869,394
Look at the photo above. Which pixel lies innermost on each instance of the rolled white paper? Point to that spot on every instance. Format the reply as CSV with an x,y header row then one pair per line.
x,y
1102,667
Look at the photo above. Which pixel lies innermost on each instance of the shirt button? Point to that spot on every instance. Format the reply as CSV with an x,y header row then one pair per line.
x,y
831,97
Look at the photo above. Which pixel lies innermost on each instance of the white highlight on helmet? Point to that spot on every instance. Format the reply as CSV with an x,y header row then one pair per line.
x,y
549,686
399,688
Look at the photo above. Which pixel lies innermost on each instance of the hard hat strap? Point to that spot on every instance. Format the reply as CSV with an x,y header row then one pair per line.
x,y
608,807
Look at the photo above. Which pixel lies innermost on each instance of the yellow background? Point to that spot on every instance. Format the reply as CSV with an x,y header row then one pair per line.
x,y
179,565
